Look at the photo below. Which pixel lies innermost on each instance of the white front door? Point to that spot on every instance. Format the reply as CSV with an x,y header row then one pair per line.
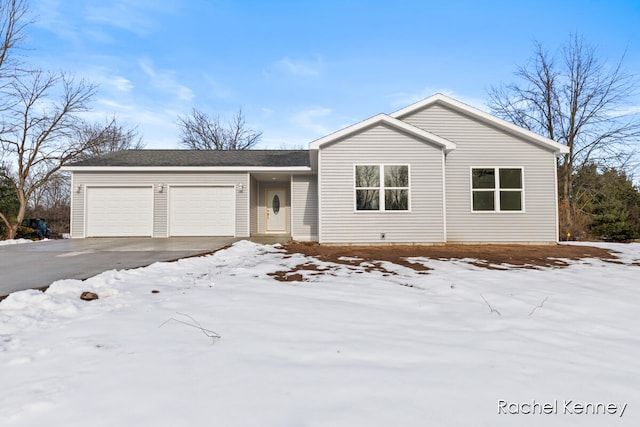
x,y
276,210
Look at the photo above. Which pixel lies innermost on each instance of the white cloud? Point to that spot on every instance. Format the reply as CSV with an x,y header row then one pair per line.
x,y
266,112
109,80
309,119
135,16
626,111
92,20
122,84
114,106
98,35
156,126
215,88
49,17
142,97
133,113
165,81
146,67
301,67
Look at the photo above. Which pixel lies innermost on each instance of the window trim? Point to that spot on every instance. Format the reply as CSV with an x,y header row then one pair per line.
x,y
496,190
381,189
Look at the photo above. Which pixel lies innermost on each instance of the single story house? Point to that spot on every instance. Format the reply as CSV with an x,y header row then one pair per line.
x,y
434,172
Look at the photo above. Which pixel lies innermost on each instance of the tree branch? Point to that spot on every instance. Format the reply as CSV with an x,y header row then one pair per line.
x,y
201,132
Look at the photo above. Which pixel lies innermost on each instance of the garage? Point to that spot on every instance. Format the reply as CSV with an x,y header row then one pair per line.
x,y
119,211
202,211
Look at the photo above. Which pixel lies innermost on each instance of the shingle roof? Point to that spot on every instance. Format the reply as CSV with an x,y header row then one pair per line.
x,y
249,158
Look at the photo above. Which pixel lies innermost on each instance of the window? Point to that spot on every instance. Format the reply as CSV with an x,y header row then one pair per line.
x,y
382,187
496,189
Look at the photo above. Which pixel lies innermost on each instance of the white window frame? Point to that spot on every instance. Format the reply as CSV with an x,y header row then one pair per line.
x,y
382,188
496,190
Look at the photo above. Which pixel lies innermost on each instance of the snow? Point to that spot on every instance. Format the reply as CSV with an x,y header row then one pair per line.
x,y
14,242
346,347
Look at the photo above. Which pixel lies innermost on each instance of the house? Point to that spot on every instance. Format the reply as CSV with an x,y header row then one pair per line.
x,y
436,171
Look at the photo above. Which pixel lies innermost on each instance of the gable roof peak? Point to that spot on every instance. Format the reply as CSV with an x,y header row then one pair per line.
x,y
482,116
389,121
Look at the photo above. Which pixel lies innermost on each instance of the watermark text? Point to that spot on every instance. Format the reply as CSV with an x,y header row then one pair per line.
x,y
563,407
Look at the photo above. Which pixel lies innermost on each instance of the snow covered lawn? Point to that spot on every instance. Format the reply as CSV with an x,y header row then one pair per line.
x,y
459,345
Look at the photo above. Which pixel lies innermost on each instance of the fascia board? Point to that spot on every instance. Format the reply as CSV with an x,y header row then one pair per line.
x,y
186,169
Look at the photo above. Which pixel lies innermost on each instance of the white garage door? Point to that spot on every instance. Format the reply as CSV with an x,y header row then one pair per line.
x,y
202,211
119,211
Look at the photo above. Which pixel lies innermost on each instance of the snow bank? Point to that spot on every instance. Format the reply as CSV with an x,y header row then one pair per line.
x,y
14,242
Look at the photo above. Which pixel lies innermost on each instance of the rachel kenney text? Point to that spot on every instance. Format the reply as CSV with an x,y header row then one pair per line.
x,y
564,407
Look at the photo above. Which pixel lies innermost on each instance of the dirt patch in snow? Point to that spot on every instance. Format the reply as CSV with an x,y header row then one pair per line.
x,y
295,275
498,257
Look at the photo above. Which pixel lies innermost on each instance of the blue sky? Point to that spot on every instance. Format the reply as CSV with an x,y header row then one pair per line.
x,y
302,69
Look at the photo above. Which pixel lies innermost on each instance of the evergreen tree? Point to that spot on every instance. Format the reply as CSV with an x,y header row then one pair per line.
x,y
9,203
608,201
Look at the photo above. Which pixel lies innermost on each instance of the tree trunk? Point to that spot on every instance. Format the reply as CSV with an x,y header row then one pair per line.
x,y
13,230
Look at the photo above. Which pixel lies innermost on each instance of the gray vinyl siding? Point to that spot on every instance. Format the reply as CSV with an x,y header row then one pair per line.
x,y
481,145
253,210
160,220
340,223
304,207
260,210
76,229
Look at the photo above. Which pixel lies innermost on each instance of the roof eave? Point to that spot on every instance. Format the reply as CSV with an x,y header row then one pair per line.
x,y
187,168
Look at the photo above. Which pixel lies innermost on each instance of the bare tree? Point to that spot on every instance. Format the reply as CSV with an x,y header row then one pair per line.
x,y
40,127
105,138
573,98
38,131
52,200
201,132
13,20
54,193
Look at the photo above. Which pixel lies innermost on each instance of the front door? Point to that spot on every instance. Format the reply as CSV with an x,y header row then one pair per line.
x,y
276,212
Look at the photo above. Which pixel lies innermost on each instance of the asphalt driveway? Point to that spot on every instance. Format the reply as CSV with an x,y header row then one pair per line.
x,y
36,265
